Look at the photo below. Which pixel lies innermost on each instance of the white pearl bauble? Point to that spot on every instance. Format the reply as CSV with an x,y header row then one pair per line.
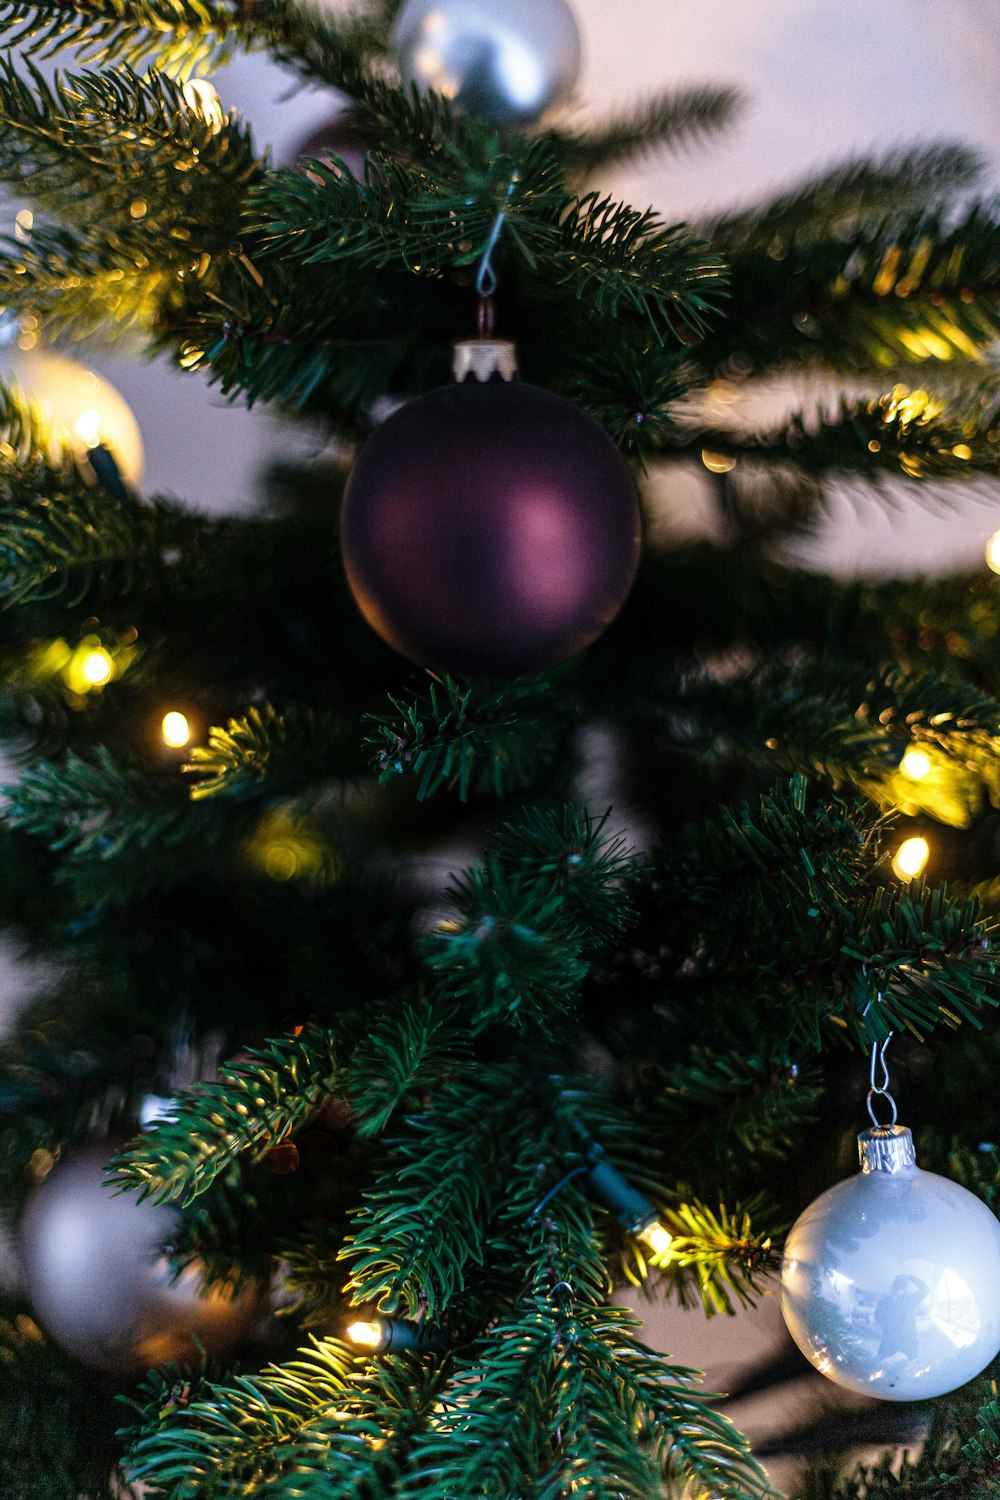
x,y
890,1284
506,60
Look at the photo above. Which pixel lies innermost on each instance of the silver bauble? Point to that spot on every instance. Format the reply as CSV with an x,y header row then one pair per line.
x,y
506,60
890,1283
100,1285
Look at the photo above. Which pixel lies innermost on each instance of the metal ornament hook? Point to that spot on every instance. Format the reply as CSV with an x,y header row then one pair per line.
x,y
880,1089
486,276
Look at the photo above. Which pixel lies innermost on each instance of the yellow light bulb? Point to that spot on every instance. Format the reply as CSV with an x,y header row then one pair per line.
x,y
202,97
175,729
910,858
367,1335
88,427
97,667
993,552
658,1239
916,764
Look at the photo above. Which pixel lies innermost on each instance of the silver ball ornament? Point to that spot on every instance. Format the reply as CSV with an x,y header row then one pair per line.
x,y
100,1284
890,1282
506,60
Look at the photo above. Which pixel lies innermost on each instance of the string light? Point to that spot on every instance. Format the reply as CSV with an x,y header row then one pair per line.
x,y
203,99
916,764
175,729
910,858
993,552
657,1237
365,1335
634,1212
88,427
395,1336
98,667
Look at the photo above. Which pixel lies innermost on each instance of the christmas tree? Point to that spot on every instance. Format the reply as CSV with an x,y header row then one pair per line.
x,y
436,1043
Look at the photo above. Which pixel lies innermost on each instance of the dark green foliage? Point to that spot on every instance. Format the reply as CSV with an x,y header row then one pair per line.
x,y
55,1446
408,1052
787,895
854,190
258,1101
270,752
452,1054
487,739
666,122
448,1164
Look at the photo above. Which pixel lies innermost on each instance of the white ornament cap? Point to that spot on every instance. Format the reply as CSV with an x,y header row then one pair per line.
x,y
888,1148
481,359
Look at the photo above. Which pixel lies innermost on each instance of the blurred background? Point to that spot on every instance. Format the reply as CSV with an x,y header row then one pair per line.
x,y
822,81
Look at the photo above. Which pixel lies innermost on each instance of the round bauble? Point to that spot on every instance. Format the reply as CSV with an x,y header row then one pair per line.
x,y
505,60
339,140
83,407
490,527
100,1284
890,1283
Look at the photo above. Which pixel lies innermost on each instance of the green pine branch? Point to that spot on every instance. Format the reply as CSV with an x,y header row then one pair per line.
x,y
260,1099
632,390
849,726
917,289
551,891
447,1165
61,538
675,121
97,808
269,752
70,146
902,434
482,738
507,954
79,282
858,189
716,1102
408,1053
718,1260
321,1424
183,37
789,895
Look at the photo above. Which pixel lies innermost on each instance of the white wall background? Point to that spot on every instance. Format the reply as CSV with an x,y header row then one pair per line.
x,y
825,78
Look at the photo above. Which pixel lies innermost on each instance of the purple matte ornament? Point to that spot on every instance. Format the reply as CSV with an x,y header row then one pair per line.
x,y
339,137
490,527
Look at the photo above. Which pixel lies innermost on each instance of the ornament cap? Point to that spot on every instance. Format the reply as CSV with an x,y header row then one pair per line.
x,y
887,1148
483,359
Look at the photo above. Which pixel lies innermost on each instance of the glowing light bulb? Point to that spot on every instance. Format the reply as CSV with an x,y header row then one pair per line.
x,y
993,552
202,97
97,667
88,427
658,1239
916,764
175,729
366,1335
910,858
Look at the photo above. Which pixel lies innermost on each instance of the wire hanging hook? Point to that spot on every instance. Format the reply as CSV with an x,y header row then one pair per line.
x,y
486,276
880,1090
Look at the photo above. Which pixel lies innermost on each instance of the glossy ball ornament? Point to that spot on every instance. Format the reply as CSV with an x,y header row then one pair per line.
x,y
100,1284
490,527
84,408
505,60
890,1282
